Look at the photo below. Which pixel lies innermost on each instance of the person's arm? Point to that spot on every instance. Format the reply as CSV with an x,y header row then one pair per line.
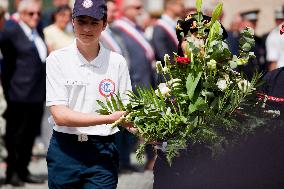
x,y
272,65
63,116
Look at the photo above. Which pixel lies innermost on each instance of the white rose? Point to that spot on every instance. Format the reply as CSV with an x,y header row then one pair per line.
x,y
164,89
233,64
222,84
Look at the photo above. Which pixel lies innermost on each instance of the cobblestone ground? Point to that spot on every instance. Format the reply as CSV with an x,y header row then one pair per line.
x,y
137,180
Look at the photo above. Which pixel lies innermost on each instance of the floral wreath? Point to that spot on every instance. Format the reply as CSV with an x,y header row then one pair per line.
x,y
202,97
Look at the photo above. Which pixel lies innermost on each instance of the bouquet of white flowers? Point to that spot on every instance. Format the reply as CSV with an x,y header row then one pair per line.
x,y
202,98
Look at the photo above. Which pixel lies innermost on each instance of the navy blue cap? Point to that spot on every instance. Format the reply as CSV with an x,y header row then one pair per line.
x,y
94,8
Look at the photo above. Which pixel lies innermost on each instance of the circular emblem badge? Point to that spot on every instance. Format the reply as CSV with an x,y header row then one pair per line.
x,y
107,87
87,3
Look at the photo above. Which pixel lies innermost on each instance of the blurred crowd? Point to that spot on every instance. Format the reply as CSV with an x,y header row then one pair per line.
x,y
28,35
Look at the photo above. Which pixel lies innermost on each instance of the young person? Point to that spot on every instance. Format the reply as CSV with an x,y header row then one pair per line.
x,y
82,152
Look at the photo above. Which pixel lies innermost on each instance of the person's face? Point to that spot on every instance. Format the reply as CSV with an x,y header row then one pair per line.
x,y
134,9
87,29
112,12
31,15
62,18
178,8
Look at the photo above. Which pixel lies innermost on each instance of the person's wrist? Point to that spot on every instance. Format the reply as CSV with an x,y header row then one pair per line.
x,y
108,119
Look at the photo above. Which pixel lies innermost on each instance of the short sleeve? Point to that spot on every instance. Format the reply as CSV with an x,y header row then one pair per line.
x,y
124,80
56,92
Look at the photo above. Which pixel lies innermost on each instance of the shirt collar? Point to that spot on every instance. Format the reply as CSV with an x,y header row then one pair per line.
x,y
97,62
169,20
129,21
27,30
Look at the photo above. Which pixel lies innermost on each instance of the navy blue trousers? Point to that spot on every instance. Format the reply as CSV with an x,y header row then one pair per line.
x,y
91,164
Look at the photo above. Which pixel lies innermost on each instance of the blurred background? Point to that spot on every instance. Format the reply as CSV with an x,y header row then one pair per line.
x,y
231,8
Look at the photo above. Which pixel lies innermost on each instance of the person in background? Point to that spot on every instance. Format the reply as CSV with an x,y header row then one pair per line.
x,y
109,37
4,4
3,104
234,34
23,80
275,43
147,21
258,64
55,34
56,37
140,56
164,38
47,16
82,152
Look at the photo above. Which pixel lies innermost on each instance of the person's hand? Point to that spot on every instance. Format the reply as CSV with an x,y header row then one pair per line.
x,y
116,116
129,127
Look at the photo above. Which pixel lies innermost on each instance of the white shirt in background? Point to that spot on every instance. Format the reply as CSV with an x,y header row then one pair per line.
x,y
275,47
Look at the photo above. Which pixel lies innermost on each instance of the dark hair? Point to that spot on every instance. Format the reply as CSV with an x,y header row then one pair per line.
x,y
113,1
188,25
60,9
104,19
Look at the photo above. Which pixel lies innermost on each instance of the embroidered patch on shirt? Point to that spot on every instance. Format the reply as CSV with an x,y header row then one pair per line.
x,y
87,4
107,87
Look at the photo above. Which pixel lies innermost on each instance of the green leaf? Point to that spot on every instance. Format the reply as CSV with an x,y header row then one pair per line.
x,y
158,104
213,35
196,105
191,84
246,47
114,104
102,105
162,100
216,12
187,50
109,105
198,5
119,101
103,112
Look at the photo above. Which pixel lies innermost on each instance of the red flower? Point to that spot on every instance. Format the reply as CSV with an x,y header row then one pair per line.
x,y
282,29
183,60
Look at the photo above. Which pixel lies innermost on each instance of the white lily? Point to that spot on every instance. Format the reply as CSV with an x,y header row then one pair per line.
x,y
222,84
244,85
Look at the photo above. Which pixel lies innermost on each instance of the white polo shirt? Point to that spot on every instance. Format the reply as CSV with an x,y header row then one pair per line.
x,y
275,47
73,81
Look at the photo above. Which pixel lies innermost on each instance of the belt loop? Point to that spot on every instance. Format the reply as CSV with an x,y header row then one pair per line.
x,y
82,138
